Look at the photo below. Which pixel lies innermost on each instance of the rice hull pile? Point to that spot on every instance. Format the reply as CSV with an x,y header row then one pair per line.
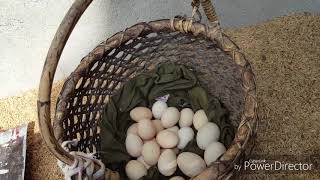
x,y
284,54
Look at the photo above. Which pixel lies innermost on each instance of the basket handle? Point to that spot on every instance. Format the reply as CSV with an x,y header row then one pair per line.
x,y
47,76
208,9
50,65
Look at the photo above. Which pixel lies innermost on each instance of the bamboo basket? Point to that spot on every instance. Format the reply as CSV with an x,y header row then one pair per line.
x,y
219,63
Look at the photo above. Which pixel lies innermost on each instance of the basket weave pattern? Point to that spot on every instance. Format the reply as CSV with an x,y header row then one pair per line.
x,y
207,51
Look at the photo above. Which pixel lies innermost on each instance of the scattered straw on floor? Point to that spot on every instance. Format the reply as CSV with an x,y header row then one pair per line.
x,y
284,54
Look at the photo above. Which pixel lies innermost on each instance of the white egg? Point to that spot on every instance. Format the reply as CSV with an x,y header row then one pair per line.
x,y
158,109
185,134
213,152
151,152
207,134
135,170
158,125
167,163
146,129
170,117
199,119
140,113
186,117
134,145
133,129
167,139
174,129
190,164
140,159
177,178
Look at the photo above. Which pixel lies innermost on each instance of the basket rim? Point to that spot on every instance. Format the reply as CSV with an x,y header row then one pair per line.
x,y
247,126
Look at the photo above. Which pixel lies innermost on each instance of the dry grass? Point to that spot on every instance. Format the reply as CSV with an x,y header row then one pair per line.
x,y
284,54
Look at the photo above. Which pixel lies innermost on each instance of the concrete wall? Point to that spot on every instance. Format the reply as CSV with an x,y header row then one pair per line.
x,y
27,27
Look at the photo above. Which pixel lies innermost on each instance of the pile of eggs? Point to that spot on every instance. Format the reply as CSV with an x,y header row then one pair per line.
x,y
159,134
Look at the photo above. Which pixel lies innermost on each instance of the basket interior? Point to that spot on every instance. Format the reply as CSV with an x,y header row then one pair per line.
x,y
216,71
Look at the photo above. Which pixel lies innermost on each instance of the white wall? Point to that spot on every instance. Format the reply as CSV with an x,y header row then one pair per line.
x,y
27,27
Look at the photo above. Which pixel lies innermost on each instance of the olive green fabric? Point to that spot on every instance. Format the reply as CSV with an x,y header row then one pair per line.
x,y
185,91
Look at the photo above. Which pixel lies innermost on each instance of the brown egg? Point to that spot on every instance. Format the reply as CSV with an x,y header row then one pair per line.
x,y
167,163
151,152
186,117
170,117
146,129
167,139
140,113
135,170
200,119
190,164
158,125
134,145
133,129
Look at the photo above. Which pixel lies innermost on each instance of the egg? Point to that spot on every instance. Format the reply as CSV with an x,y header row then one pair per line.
x,y
186,117
176,150
185,134
133,145
135,170
158,109
140,159
133,129
151,152
146,129
153,139
177,178
167,163
213,152
158,125
207,134
190,164
170,117
174,129
199,119
167,139
140,113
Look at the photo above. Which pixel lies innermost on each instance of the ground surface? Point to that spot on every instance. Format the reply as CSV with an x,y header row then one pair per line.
x,y
285,56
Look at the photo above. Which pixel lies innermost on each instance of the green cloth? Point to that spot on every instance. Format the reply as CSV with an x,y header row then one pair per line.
x,y
183,87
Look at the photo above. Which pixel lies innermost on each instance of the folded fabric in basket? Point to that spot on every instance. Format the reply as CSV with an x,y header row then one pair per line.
x,y
185,91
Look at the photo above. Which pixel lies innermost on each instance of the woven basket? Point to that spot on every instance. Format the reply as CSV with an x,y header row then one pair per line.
x,y
221,67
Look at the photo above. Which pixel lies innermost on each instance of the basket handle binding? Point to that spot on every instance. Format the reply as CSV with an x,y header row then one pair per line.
x,y
208,9
52,60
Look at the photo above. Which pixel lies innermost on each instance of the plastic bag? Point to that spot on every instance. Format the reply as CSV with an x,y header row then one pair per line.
x,y
13,153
